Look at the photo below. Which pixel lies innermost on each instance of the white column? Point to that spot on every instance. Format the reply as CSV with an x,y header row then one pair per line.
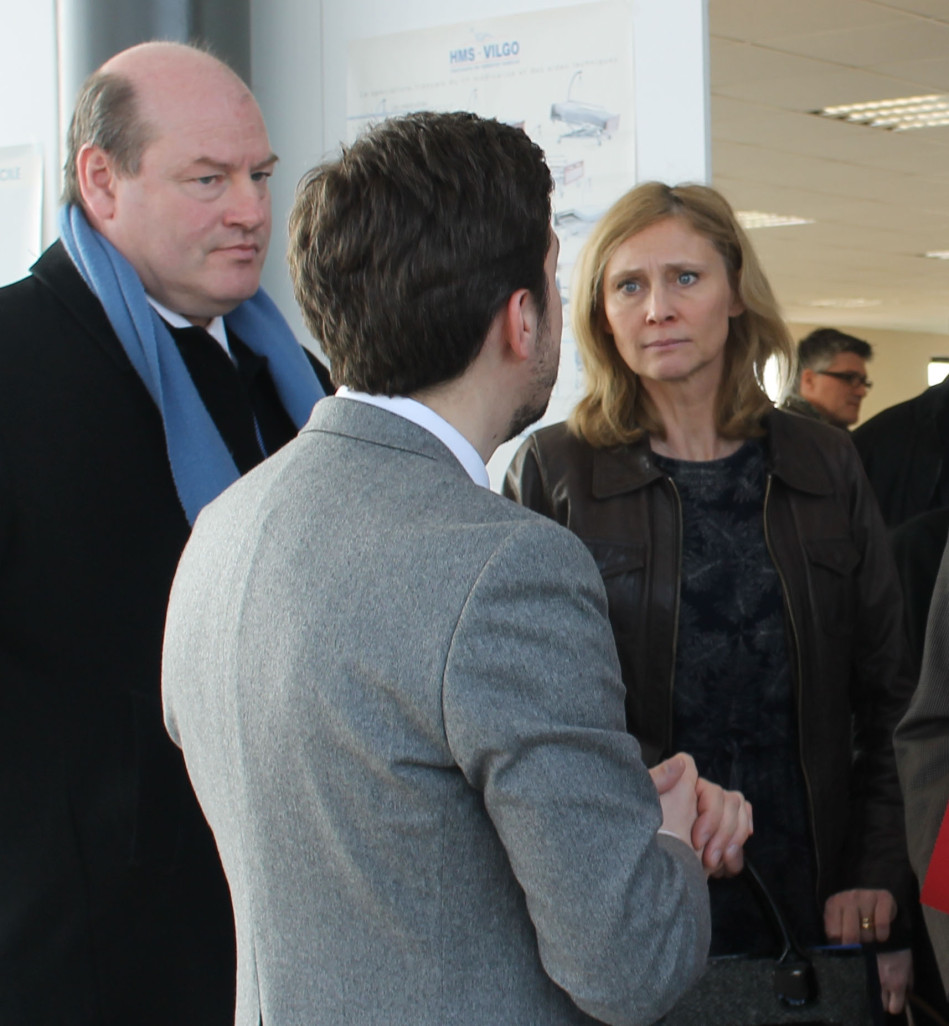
x,y
298,60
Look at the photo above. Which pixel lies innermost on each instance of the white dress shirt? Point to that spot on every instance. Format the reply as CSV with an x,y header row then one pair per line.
x,y
425,417
215,328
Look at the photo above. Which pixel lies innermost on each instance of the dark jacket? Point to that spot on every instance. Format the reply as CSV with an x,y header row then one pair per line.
x,y
797,404
918,545
903,449
843,614
113,905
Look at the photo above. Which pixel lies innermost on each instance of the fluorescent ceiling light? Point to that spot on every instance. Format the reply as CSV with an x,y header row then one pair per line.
x,y
937,254
757,219
898,115
846,304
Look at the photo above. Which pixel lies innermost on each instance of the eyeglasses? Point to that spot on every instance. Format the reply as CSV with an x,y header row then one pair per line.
x,y
852,378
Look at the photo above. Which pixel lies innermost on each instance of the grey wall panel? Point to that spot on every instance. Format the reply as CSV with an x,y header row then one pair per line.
x,y
91,31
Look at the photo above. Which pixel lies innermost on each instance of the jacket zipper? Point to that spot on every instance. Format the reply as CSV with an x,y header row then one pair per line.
x,y
800,688
675,616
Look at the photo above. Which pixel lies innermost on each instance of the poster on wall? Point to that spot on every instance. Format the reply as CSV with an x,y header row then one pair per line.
x,y
565,76
21,204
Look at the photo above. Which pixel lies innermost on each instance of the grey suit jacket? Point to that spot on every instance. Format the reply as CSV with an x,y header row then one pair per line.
x,y
400,706
922,755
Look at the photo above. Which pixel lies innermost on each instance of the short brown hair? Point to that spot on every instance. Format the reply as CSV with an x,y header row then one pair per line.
x,y
403,250
107,115
616,409
818,350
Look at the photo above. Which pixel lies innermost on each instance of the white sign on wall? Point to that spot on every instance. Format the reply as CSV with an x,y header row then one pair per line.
x,y
21,203
564,75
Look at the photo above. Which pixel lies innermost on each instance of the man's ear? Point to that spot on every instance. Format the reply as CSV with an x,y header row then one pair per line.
x,y
807,381
96,174
520,323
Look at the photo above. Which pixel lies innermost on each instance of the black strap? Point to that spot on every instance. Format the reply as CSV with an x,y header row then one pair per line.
x,y
794,980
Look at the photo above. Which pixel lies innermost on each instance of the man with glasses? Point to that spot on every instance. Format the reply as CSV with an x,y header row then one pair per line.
x,y
830,379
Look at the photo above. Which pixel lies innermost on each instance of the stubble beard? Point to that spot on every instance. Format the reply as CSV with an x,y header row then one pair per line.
x,y
542,385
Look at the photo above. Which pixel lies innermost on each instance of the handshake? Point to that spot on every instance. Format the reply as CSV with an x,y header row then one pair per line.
x,y
714,822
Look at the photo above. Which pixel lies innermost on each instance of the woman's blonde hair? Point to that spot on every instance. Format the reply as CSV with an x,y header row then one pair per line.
x,y
616,408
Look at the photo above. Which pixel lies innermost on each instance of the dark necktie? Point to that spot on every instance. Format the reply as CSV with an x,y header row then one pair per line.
x,y
240,398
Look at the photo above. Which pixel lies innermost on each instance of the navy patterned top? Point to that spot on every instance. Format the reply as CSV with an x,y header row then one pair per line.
x,y
733,693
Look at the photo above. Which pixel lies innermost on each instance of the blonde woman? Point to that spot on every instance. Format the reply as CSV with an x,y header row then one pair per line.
x,y
752,597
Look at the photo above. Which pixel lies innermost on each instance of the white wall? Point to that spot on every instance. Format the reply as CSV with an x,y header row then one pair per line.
x,y
298,61
287,79
672,137
28,87
299,74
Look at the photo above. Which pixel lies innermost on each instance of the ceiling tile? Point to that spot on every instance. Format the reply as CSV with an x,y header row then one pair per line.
x,y
879,199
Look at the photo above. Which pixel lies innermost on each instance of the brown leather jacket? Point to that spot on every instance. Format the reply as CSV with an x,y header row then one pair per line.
x,y
843,612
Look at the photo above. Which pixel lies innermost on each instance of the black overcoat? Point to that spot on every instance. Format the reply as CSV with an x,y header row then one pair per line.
x,y
113,906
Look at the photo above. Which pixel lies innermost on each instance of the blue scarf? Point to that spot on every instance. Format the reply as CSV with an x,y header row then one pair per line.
x,y
201,465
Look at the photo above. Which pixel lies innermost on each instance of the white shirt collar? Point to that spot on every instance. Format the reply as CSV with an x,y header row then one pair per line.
x,y
427,418
215,329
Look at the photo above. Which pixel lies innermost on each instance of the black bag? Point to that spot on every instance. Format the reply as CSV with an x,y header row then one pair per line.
x,y
826,987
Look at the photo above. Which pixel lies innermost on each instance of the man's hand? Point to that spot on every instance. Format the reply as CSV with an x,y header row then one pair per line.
x,y
859,917
723,826
676,780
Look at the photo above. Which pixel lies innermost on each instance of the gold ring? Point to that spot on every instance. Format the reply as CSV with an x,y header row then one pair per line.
x,y
866,923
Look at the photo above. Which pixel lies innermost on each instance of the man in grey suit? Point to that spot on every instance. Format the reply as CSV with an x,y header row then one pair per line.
x,y
397,692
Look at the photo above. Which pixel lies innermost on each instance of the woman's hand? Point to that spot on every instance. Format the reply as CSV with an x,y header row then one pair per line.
x,y
863,917
723,826
896,977
716,823
859,916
